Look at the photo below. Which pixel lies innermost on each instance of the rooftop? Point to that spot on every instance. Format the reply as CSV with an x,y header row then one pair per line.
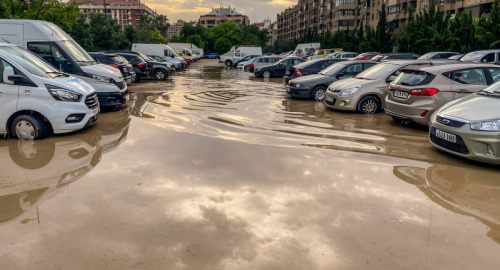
x,y
223,11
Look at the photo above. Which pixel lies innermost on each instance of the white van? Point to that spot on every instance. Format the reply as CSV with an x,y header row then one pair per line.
x,y
58,48
306,49
36,98
160,50
238,52
186,48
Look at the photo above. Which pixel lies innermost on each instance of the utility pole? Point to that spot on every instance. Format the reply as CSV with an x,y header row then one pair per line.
x,y
12,8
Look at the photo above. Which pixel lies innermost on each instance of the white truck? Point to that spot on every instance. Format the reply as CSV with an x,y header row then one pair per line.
x,y
55,46
306,49
238,52
187,48
159,50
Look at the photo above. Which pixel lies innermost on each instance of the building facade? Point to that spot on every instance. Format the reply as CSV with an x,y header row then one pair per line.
x,y
125,12
222,14
175,29
333,15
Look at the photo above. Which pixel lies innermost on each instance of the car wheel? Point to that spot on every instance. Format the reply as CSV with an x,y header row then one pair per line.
x,y
229,63
160,75
267,74
318,93
28,127
369,105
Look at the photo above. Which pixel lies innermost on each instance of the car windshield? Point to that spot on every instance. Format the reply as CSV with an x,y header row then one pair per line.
x,y
31,62
74,51
377,72
116,59
329,71
494,88
410,77
472,57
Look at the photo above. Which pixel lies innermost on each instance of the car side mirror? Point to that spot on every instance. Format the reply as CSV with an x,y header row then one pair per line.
x,y
8,72
21,80
340,75
391,78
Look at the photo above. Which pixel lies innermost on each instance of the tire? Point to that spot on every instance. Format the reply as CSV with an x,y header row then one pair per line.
x,y
369,105
28,127
229,63
32,155
137,78
266,74
160,74
318,90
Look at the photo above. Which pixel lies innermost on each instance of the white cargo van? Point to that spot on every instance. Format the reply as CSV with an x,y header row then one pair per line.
x,y
186,48
307,49
238,52
58,48
36,98
160,50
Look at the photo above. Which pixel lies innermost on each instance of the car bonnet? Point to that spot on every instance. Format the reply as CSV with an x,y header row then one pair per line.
x,y
475,107
349,83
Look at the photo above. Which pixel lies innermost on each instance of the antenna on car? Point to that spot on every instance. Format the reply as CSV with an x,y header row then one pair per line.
x,y
429,61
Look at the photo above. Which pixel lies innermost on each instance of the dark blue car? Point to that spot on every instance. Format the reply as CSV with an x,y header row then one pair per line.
x,y
212,56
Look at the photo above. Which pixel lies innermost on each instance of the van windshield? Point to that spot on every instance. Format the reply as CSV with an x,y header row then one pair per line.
x,y
30,62
74,51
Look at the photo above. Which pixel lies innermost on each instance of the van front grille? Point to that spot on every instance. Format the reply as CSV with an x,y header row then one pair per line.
x,y
92,101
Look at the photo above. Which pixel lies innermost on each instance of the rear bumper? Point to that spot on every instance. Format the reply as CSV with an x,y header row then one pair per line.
x,y
410,112
113,99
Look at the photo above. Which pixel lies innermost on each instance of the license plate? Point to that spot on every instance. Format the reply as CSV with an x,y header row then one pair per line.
x,y
445,136
400,94
329,99
287,73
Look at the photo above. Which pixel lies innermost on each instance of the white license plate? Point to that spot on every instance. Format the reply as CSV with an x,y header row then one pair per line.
x,y
329,99
400,94
95,111
445,136
287,73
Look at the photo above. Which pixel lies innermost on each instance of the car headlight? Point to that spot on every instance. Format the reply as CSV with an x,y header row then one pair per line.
x,y
490,125
103,79
62,94
297,85
350,91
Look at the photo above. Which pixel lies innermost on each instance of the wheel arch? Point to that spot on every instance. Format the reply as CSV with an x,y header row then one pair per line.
x,y
30,112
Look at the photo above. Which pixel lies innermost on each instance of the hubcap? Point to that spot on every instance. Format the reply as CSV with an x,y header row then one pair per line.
x,y
319,95
25,130
369,106
159,75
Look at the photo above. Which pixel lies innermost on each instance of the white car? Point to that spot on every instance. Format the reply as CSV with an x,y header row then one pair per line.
x,y
36,98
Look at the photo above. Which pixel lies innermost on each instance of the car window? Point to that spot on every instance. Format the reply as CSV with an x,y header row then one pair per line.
x,y
489,58
352,69
495,74
326,64
260,60
369,65
158,58
413,78
237,54
3,65
468,76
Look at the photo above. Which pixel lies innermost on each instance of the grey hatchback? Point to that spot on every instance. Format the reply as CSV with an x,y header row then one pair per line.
x,y
314,86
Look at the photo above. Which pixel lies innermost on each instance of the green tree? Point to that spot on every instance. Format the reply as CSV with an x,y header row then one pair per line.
x,y
196,40
176,38
82,34
155,37
222,45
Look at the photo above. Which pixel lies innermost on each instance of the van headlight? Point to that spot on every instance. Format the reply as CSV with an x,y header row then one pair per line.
x,y
350,91
62,94
100,78
490,125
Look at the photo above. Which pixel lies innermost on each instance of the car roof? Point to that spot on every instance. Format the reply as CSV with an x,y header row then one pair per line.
x,y
486,51
444,67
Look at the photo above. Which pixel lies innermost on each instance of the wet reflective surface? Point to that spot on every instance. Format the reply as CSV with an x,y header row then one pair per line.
x,y
213,169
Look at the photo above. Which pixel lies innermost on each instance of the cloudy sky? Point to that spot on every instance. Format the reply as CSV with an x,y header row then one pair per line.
x,y
256,10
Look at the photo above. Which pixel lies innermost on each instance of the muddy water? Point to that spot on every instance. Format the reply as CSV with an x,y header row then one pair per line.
x,y
215,170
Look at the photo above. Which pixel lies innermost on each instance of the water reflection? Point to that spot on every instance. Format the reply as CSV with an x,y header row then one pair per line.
x,y
33,171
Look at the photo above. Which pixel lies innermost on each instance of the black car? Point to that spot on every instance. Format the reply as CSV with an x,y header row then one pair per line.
x,y
118,62
398,56
308,68
310,86
146,67
278,69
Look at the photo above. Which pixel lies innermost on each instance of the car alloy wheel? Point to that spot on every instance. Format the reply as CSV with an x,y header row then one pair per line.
x,y
160,75
319,93
369,106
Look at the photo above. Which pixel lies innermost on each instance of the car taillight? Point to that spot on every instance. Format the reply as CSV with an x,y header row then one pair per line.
x,y
141,65
297,73
423,91
252,65
115,66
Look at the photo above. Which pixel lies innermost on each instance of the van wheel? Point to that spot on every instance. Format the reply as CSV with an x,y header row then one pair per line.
x,y
160,75
369,105
28,127
229,63
318,93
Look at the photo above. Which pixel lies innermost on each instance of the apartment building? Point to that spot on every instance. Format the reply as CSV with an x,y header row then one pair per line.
x,y
125,12
332,15
175,29
222,14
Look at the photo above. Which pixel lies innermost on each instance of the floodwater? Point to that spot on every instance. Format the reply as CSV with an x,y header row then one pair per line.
x,y
213,169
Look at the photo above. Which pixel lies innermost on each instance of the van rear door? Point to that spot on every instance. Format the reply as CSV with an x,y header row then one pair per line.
x,y
9,95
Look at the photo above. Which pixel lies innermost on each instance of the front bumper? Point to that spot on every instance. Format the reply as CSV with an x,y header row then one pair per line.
x,y
113,99
338,102
470,144
298,92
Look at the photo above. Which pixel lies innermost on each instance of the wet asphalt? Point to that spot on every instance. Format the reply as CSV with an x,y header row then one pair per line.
x,y
214,169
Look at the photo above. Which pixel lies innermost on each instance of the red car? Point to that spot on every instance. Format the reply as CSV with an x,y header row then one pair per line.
x,y
187,61
366,56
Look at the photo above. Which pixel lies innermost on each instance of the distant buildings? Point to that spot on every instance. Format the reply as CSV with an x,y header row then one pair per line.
x,y
272,29
125,12
222,14
175,29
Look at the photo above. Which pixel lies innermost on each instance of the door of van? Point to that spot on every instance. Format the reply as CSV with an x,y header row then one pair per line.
x,y
9,95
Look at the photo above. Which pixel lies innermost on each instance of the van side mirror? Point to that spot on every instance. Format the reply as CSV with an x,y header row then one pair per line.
x,y
391,78
7,73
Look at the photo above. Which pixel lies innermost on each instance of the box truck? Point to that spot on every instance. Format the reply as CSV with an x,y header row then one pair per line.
x,y
55,46
238,52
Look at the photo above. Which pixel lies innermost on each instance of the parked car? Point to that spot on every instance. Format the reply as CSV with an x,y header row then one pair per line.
x,y
146,67
238,52
264,61
366,92
378,58
456,57
212,56
325,52
345,55
278,69
314,57
366,56
400,56
418,92
469,127
116,61
438,55
308,68
158,58
244,59
245,66
37,98
484,56
314,86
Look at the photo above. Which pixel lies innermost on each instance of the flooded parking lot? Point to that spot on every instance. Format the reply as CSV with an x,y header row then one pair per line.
x,y
213,169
